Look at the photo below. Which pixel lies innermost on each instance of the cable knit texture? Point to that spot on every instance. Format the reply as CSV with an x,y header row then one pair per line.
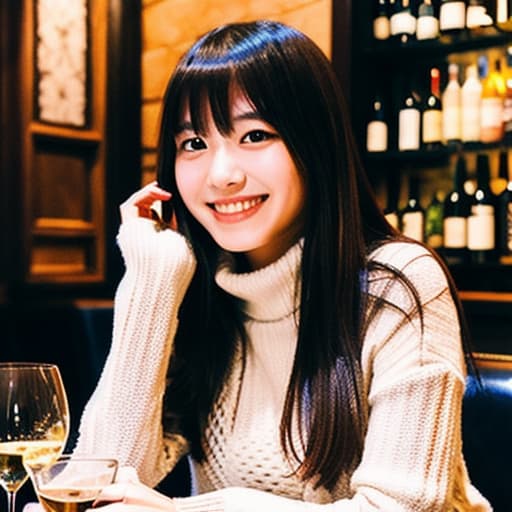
x,y
414,382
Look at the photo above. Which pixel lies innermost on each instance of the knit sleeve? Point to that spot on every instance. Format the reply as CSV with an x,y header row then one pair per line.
x,y
412,458
123,416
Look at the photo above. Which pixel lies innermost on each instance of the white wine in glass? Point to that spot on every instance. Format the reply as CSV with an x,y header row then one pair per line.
x,y
34,421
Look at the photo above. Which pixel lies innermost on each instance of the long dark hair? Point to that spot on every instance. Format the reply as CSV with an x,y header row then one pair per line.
x,y
292,86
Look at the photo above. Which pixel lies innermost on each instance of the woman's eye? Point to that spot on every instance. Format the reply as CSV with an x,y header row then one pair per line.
x,y
194,144
257,136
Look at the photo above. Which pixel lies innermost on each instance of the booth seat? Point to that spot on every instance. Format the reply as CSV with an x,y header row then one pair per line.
x,y
487,429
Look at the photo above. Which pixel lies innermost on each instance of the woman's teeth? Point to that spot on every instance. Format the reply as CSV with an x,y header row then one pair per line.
x,y
237,207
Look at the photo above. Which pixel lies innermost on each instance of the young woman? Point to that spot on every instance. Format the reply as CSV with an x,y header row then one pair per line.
x,y
273,327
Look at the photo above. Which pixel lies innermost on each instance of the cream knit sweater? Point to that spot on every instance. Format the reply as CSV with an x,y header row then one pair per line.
x,y
412,459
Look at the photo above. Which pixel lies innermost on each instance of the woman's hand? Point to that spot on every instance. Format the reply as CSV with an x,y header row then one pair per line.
x,y
128,494
140,203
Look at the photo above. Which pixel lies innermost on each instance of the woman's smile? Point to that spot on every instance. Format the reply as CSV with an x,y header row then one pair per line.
x,y
227,210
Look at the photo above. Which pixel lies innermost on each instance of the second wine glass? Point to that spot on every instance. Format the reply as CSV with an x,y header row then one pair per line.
x,y
34,421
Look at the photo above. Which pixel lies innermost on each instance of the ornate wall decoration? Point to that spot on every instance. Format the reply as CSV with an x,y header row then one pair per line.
x,y
61,61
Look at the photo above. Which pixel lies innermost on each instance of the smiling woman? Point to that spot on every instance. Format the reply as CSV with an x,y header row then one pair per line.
x,y
306,353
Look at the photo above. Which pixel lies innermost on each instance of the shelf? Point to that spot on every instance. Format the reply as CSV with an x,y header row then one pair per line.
x,y
489,277
425,156
483,38
63,134
63,228
416,157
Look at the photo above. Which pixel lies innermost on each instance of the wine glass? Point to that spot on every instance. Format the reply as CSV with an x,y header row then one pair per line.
x,y
72,484
34,421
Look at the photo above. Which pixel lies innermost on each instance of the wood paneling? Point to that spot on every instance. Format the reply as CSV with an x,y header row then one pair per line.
x,y
62,185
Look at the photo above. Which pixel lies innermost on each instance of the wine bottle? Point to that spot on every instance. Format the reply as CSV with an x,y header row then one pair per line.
x,y
377,128
402,21
504,210
482,216
456,212
451,103
413,216
381,26
493,96
409,120
499,183
432,117
427,25
452,16
434,222
471,96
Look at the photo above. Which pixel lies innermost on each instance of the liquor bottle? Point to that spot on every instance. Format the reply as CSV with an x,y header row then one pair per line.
x,y
434,222
504,15
402,21
456,212
504,210
452,16
377,128
492,106
499,183
471,99
507,102
413,216
427,25
409,119
482,216
432,117
381,26
451,102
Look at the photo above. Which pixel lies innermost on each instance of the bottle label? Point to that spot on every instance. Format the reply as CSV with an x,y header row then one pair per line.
x,y
507,114
432,126
427,27
451,122
377,136
381,28
452,16
470,123
408,129
402,23
412,225
481,228
455,232
491,112
474,16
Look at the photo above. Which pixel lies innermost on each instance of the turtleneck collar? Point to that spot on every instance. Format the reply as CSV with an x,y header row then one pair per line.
x,y
267,294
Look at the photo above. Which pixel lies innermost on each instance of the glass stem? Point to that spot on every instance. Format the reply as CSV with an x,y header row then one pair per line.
x,y
11,501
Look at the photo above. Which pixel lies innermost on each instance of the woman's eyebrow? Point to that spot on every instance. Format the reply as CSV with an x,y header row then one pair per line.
x,y
250,114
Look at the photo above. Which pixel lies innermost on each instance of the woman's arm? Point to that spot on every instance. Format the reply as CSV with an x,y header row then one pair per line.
x,y
123,418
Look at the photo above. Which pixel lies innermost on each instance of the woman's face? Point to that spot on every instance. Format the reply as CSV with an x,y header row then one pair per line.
x,y
244,188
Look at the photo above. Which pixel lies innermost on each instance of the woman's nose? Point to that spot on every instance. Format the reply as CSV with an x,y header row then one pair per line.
x,y
225,171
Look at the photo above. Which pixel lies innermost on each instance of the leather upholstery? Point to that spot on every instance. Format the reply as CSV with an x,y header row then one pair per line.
x,y
487,429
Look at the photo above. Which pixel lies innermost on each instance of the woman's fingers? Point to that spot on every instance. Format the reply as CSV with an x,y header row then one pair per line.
x,y
139,204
